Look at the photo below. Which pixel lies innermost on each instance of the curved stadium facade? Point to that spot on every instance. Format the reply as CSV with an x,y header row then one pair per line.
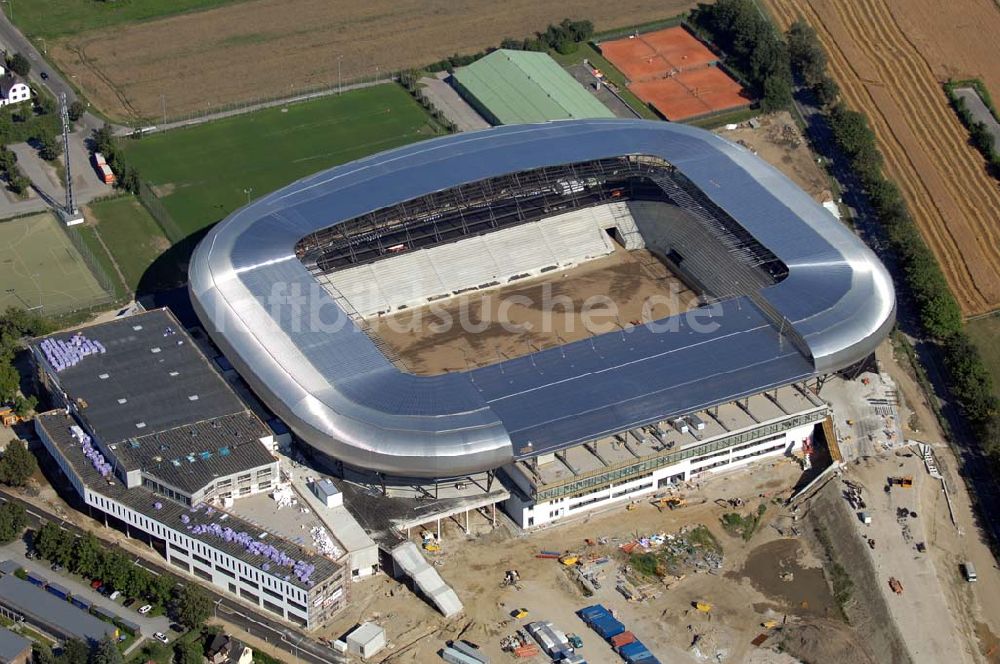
x,y
794,293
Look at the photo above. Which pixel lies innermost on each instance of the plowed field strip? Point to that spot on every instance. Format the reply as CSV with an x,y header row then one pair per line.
x,y
931,220
925,211
929,117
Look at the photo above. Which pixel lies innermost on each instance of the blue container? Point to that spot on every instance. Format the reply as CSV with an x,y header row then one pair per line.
x,y
634,652
590,613
607,627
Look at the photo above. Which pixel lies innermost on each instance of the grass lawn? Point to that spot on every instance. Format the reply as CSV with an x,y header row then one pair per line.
x,y
203,173
588,52
984,333
39,266
51,18
135,241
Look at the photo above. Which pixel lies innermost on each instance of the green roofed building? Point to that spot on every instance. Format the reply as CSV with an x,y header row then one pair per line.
x,y
515,87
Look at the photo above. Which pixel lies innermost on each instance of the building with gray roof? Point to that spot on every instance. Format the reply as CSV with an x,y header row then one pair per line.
x,y
14,648
55,616
797,294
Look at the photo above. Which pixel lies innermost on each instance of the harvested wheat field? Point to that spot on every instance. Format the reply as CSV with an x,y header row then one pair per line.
x,y
265,48
894,79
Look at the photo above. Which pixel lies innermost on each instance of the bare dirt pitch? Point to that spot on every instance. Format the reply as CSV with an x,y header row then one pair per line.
x,y
888,69
267,48
482,328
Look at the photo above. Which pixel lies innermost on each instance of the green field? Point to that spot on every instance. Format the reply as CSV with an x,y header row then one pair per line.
x,y
135,240
53,18
203,173
984,333
40,267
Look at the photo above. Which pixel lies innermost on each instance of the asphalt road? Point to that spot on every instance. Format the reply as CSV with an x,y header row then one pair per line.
x,y
296,644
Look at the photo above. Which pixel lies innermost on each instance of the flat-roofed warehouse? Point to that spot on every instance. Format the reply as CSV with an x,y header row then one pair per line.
x,y
519,87
22,600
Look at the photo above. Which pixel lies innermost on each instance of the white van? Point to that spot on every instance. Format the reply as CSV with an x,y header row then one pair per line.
x,y
969,571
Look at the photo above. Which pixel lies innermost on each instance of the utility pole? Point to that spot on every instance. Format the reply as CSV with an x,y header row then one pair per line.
x,y
71,215
340,81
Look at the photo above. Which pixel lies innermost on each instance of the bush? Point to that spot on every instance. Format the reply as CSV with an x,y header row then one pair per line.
x,y
19,64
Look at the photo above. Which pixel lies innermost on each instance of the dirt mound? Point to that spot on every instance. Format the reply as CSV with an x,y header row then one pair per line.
x,y
821,640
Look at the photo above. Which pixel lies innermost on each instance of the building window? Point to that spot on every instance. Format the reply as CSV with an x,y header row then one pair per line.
x,y
273,594
203,561
180,550
248,582
270,606
250,596
232,588
180,563
223,570
264,486
199,572
297,606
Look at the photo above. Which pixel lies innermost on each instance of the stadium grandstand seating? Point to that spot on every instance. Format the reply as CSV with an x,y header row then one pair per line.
x,y
490,259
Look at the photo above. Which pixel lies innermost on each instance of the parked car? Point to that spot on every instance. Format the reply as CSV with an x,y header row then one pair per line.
x,y
144,609
44,75
96,583
129,602
56,567
161,637
115,595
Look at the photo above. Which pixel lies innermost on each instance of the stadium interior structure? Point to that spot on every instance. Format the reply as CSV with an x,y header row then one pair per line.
x,y
791,294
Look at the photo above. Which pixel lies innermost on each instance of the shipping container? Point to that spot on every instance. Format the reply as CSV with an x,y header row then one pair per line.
x,y
58,590
591,613
474,653
128,626
634,652
81,603
37,579
622,639
607,627
453,656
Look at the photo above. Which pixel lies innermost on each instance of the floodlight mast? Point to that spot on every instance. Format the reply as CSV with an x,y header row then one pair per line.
x,y
71,210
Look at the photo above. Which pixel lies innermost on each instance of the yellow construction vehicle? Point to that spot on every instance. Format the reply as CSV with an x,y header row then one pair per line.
x,y
519,613
769,624
569,559
630,507
8,417
905,481
704,607
672,502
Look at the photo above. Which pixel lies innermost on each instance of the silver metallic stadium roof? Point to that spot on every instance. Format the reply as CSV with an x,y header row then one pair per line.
x,y
341,395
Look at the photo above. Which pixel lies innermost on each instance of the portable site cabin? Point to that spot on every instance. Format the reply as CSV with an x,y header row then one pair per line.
x,y
366,640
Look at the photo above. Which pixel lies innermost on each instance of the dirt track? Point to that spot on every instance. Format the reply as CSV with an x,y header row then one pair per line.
x,y
266,48
882,72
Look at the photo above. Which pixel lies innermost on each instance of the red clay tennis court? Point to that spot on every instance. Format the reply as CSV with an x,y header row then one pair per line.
x,y
690,94
653,54
675,73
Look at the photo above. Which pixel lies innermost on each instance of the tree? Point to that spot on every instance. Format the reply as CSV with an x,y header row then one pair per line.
x,y
49,147
104,140
188,653
76,110
159,589
17,464
41,653
106,652
45,104
10,379
827,91
777,93
24,405
192,605
12,521
19,64
46,540
74,651
86,555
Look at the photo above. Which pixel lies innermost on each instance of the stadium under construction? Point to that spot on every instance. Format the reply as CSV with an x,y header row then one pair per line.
x,y
291,289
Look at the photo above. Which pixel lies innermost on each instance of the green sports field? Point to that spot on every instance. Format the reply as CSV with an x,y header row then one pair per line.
x,y
136,241
40,266
52,18
203,173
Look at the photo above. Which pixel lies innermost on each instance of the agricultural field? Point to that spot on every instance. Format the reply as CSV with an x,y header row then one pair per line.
x,y
54,18
984,333
131,71
203,173
39,267
892,68
135,241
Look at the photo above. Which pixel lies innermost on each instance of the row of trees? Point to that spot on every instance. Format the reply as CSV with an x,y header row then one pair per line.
x,y
755,48
563,38
12,521
85,555
15,324
979,134
76,651
127,177
969,381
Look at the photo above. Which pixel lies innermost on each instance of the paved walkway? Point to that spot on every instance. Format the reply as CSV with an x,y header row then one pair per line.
x,y
980,111
16,551
451,104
